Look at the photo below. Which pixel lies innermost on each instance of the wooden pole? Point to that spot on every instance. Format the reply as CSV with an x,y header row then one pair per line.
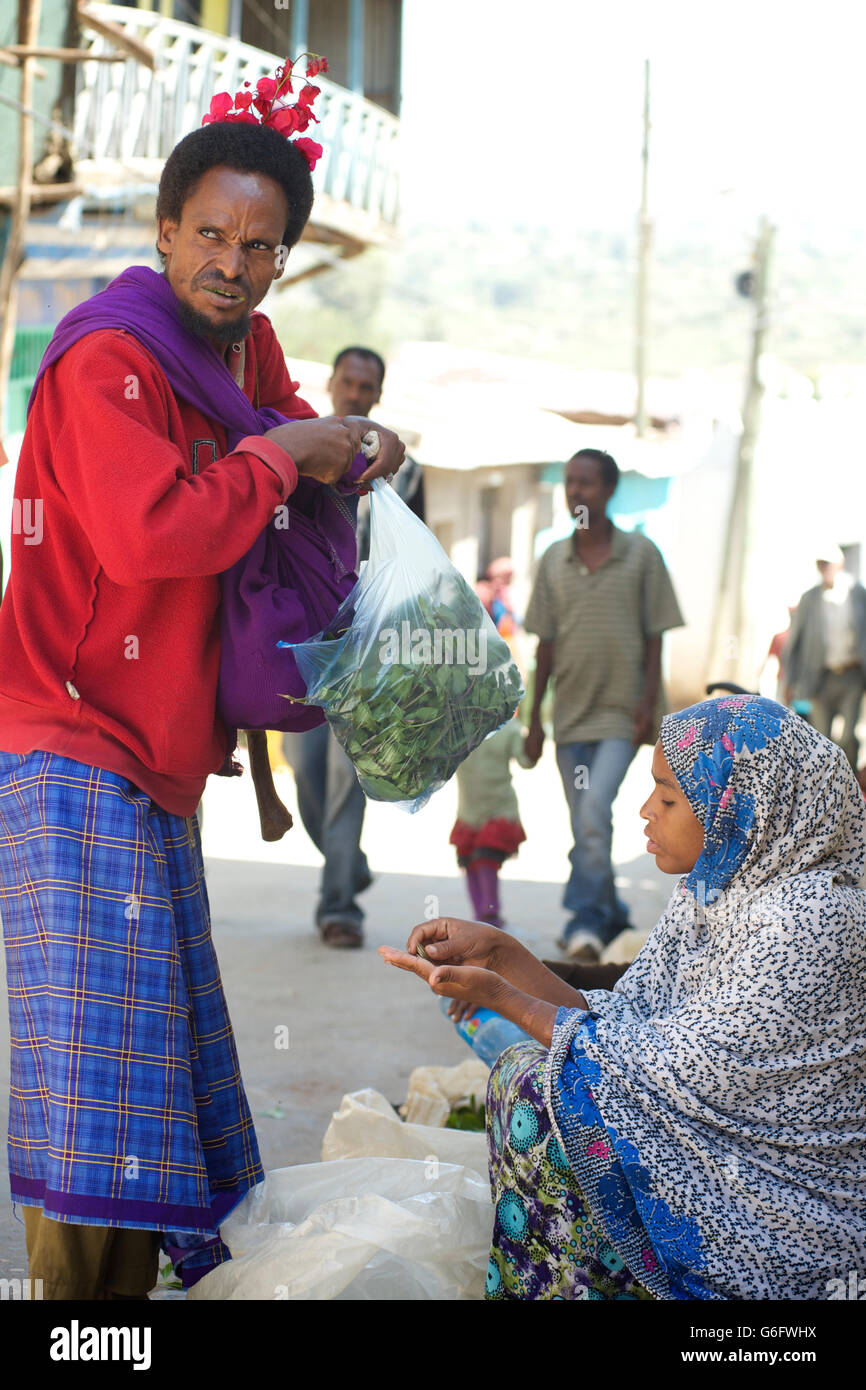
x,y
746,459
10,62
643,265
355,81
730,654
118,35
28,33
62,55
300,20
41,193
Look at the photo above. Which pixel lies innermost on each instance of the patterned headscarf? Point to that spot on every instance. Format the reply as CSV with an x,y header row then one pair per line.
x,y
761,816
728,1066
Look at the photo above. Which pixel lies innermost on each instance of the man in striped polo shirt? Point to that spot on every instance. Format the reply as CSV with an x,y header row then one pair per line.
x,y
601,601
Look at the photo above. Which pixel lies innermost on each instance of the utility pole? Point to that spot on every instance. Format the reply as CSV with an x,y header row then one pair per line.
x,y
28,35
732,599
644,233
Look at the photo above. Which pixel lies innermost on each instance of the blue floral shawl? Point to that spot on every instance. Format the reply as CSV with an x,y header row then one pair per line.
x,y
727,1069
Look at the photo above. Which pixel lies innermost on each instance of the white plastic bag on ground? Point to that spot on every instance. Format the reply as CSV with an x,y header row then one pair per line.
x,y
367,1125
412,1226
434,1091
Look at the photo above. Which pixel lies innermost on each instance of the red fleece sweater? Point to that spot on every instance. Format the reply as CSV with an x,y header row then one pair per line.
x,y
109,627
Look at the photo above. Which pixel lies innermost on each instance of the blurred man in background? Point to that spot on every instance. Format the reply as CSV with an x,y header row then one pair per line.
x,y
359,375
825,655
601,601
330,800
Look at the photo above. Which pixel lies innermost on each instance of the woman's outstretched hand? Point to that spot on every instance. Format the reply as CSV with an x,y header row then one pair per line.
x,y
456,942
482,967
468,983
452,941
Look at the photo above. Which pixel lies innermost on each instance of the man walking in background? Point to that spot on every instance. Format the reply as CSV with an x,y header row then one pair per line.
x,y
825,656
358,376
601,601
330,800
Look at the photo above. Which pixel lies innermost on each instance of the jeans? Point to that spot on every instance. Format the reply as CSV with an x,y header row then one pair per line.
x,y
331,804
840,692
591,776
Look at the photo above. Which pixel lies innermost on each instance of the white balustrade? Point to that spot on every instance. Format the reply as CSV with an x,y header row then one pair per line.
x,y
125,113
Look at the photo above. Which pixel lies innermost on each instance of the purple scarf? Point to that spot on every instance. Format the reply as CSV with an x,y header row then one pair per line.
x,y
293,579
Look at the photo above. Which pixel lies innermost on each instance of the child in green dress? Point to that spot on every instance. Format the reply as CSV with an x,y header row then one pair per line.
x,y
488,830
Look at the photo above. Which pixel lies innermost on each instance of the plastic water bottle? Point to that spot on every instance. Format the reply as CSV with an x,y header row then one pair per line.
x,y
487,1033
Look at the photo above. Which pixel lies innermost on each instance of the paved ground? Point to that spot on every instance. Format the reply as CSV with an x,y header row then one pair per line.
x,y
352,1021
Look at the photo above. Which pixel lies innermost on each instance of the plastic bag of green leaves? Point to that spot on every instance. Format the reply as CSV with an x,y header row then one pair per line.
x,y
411,673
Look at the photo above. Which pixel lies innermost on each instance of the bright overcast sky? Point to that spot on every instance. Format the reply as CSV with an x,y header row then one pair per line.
x,y
530,110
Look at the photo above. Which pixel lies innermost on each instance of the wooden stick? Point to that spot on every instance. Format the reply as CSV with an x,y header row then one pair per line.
x,y
275,820
10,62
41,192
28,30
64,55
134,47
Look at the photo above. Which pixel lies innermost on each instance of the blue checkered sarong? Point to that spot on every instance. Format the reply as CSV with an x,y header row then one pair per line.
x,y
126,1107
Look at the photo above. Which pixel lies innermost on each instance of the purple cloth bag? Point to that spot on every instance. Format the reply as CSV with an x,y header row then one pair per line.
x,y
291,582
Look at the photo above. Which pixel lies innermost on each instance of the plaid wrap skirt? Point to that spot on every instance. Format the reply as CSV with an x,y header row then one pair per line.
x,y
126,1106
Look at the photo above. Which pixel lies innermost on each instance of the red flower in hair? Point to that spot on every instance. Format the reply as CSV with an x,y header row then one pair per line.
x,y
304,116
269,100
284,75
220,105
310,150
284,120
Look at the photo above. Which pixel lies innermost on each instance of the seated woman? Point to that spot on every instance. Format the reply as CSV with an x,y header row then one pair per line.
x,y
696,1132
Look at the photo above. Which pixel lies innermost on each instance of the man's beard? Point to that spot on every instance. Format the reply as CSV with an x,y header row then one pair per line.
x,y
227,332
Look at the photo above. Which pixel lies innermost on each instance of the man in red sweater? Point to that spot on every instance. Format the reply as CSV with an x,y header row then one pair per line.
x,y
129,1126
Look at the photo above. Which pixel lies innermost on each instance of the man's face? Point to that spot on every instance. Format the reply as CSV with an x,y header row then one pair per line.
x,y
584,487
828,570
222,256
355,386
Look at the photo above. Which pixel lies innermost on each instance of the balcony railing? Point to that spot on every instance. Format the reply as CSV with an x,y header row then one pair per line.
x,y
129,118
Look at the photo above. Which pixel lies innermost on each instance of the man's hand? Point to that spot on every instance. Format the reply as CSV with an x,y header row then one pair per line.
x,y
534,741
322,449
325,449
643,724
391,455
